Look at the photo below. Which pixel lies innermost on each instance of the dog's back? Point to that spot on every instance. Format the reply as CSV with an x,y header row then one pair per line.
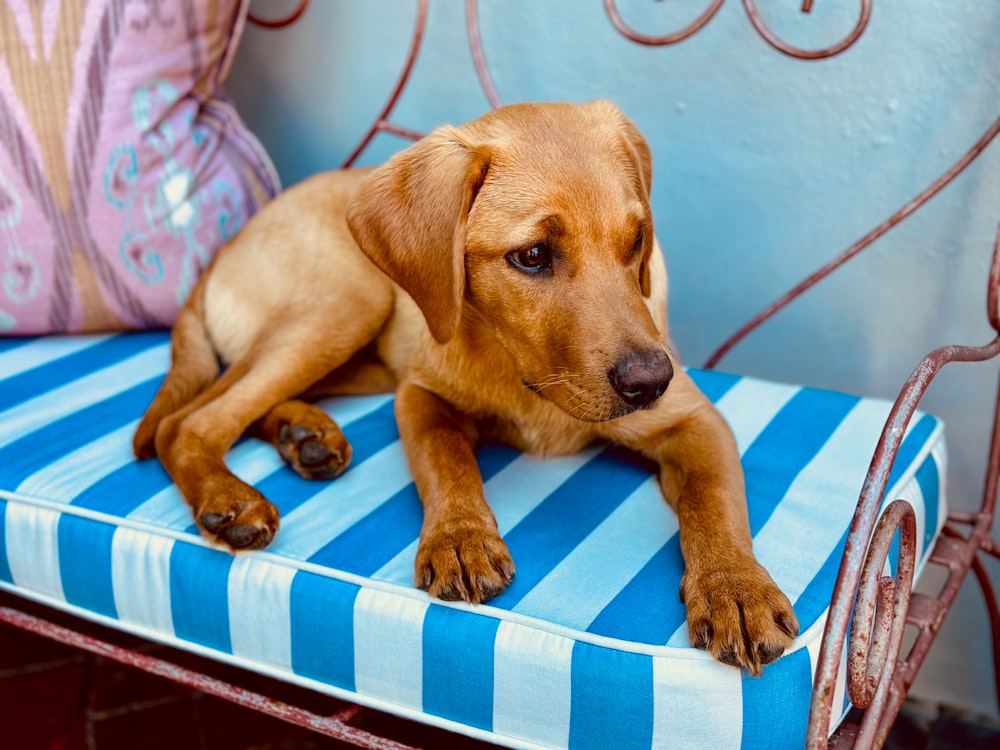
x,y
279,274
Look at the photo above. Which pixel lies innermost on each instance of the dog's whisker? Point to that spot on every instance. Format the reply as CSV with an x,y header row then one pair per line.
x,y
542,386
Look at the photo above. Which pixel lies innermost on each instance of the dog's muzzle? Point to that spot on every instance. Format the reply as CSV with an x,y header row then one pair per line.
x,y
639,378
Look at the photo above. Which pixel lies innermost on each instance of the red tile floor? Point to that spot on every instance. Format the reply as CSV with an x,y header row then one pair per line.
x,y
56,697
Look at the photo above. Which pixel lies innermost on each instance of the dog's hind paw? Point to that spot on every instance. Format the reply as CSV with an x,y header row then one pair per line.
x,y
314,454
308,440
739,615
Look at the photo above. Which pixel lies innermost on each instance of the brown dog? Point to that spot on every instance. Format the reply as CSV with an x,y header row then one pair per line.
x,y
508,285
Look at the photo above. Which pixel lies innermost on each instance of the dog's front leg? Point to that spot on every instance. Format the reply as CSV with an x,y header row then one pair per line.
x,y
461,554
734,608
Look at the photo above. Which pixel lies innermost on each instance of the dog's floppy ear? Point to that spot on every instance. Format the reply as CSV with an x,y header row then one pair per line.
x,y
640,163
638,151
642,160
409,217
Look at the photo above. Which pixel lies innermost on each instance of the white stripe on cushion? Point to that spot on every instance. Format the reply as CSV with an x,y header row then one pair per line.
x,y
64,479
32,540
681,718
259,607
527,701
50,406
590,576
250,460
803,516
167,509
140,574
388,647
346,500
41,351
750,406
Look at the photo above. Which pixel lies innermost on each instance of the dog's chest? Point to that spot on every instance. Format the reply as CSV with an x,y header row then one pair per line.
x,y
543,430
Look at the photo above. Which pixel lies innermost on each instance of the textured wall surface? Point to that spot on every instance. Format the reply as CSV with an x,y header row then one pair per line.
x,y
765,167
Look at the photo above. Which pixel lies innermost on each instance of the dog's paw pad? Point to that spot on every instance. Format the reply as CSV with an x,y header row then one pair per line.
x,y
243,536
314,454
236,515
212,522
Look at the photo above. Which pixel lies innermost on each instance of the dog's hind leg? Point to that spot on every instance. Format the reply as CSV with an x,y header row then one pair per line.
x,y
194,367
192,442
362,375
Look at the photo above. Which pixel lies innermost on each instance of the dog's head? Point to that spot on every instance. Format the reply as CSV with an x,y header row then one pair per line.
x,y
534,218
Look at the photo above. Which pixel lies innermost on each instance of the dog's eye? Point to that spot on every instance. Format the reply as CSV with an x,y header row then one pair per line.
x,y
531,259
640,240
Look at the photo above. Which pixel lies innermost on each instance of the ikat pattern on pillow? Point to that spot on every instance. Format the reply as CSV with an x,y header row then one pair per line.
x,y
123,164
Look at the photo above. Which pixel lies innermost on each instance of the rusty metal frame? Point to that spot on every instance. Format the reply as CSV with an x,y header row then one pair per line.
x,y
869,611
337,725
279,23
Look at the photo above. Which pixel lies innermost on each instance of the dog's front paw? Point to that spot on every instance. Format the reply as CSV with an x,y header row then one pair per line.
x,y
236,515
466,562
739,615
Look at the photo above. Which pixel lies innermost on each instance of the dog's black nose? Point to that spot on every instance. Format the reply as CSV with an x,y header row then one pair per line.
x,y
641,378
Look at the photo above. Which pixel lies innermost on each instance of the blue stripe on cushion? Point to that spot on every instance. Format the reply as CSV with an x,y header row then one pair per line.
x,y
24,456
9,343
458,649
118,493
713,384
797,433
493,458
53,374
322,625
371,433
543,538
775,705
603,715
378,537
5,574
199,595
815,599
85,564
639,615
646,610
930,488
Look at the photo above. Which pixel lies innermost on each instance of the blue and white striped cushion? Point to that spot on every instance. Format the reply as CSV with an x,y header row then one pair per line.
x,y
586,649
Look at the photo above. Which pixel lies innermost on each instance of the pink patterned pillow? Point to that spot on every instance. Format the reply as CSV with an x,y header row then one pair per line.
x,y
123,165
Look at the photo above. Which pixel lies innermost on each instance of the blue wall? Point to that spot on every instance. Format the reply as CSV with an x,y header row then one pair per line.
x,y
764,168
